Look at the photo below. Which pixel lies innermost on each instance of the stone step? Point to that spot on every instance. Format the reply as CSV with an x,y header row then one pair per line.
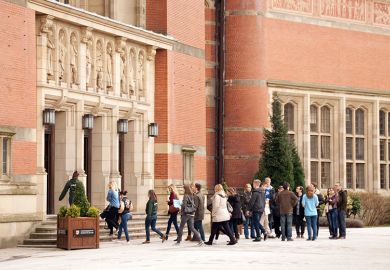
x,y
44,235
37,246
40,241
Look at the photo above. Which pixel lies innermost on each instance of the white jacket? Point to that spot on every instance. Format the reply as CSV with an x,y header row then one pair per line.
x,y
220,212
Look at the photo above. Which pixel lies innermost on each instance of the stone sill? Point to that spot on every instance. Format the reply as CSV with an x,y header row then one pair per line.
x,y
18,188
27,217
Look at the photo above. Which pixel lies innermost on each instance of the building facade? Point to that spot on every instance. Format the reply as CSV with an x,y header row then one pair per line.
x,y
82,81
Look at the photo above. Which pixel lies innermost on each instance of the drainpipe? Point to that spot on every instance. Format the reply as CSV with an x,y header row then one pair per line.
x,y
220,89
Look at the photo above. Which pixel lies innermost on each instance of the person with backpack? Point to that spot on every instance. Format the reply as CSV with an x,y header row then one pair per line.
x,y
188,210
125,215
151,217
172,210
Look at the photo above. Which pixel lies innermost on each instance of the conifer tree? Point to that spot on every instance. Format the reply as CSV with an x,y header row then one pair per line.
x,y
276,157
299,175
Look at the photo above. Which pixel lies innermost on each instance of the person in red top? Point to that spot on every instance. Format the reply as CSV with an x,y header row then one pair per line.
x,y
172,211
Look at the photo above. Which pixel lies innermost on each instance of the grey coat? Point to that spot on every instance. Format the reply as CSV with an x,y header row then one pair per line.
x,y
257,201
199,204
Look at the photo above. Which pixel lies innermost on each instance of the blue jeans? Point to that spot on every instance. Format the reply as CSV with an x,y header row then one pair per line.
x,y
333,222
123,226
286,225
172,219
342,226
256,223
199,227
311,227
151,222
247,223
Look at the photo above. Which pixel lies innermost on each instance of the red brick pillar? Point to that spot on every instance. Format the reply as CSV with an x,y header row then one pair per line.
x,y
246,98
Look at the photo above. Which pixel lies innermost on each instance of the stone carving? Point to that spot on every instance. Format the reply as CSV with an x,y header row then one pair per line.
x,y
88,63
141,74
347,9
73,58
61,55
109,65
50,53
46,24
132,72
123,72
305,6
99,65
382,13
151,51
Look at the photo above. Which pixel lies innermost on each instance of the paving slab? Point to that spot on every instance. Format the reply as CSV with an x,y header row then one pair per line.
x,y
366,248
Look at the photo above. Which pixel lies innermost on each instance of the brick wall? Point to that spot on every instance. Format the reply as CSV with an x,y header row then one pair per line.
x,y
17,80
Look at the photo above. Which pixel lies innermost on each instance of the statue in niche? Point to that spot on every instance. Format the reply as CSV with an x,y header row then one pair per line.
x,y
73,58
88,62
99,65
109,66
123,72
140,74
50,53
61,55
132,72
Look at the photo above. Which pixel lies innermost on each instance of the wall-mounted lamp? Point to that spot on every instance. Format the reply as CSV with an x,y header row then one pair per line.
x,y
123,126
49,117
88,121
153,130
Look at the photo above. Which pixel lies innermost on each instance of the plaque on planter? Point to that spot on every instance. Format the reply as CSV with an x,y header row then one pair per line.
x,y
84,232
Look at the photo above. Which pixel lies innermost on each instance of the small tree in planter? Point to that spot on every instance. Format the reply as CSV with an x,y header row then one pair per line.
x,y
78,225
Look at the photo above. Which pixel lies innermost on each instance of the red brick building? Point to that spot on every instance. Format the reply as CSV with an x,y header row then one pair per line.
x,y
205,72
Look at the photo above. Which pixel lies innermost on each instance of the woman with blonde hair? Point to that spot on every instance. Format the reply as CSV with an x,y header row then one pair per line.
x,y
188,209
310,202
220,215
113,206
172,211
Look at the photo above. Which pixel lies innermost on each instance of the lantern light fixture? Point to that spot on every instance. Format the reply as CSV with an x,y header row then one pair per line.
x,y
88,121
153,130
49,117
123,126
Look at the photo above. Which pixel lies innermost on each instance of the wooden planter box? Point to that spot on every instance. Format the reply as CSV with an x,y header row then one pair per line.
x,y
77,233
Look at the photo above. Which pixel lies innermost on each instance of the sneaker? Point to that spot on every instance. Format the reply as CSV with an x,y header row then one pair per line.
x,y
283,239
200,243
146,242
246,237
232,243
341,237
257,239
208,243
175,240
308,239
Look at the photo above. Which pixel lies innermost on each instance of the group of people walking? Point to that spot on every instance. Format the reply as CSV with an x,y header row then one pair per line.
x,y
263,211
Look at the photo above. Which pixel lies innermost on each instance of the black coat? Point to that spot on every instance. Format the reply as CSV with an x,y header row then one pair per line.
x,y
257,202
236,204
245,198
301,208
275,208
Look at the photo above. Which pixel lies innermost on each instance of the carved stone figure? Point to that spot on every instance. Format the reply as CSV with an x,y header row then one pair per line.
x,y
88,62
61,55
132,67
123,72
109,66
99,65
50,53
141,74
73,58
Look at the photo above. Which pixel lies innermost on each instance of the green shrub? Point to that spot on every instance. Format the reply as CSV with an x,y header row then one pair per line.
x,y
62,211
73,211
93,212
81,199
356,205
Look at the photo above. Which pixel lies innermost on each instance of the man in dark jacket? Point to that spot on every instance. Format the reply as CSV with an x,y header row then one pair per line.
x,y
245,199
199,213
341,209
286,200
256,206
299,213
71,186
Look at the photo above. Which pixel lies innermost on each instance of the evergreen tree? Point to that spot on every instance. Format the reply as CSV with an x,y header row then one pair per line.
x,y
276,159
299,175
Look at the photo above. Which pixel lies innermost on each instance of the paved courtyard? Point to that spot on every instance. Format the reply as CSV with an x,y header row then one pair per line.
x,y
367,248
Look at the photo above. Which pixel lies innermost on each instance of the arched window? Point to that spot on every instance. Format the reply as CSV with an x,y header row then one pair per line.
x,y
355,148
384,149
320,145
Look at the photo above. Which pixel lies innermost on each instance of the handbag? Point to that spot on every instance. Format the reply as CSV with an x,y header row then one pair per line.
x,y
229,207
172,209
189,207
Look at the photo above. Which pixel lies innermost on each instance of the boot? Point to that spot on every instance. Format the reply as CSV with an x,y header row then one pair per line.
x,y
188,238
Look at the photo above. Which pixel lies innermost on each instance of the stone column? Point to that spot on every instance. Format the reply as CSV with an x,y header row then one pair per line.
x,y
373,172
342,148
306,137
114,174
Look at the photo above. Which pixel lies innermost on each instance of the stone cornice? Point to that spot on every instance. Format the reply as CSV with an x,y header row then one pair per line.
x,y
99,23
327,88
